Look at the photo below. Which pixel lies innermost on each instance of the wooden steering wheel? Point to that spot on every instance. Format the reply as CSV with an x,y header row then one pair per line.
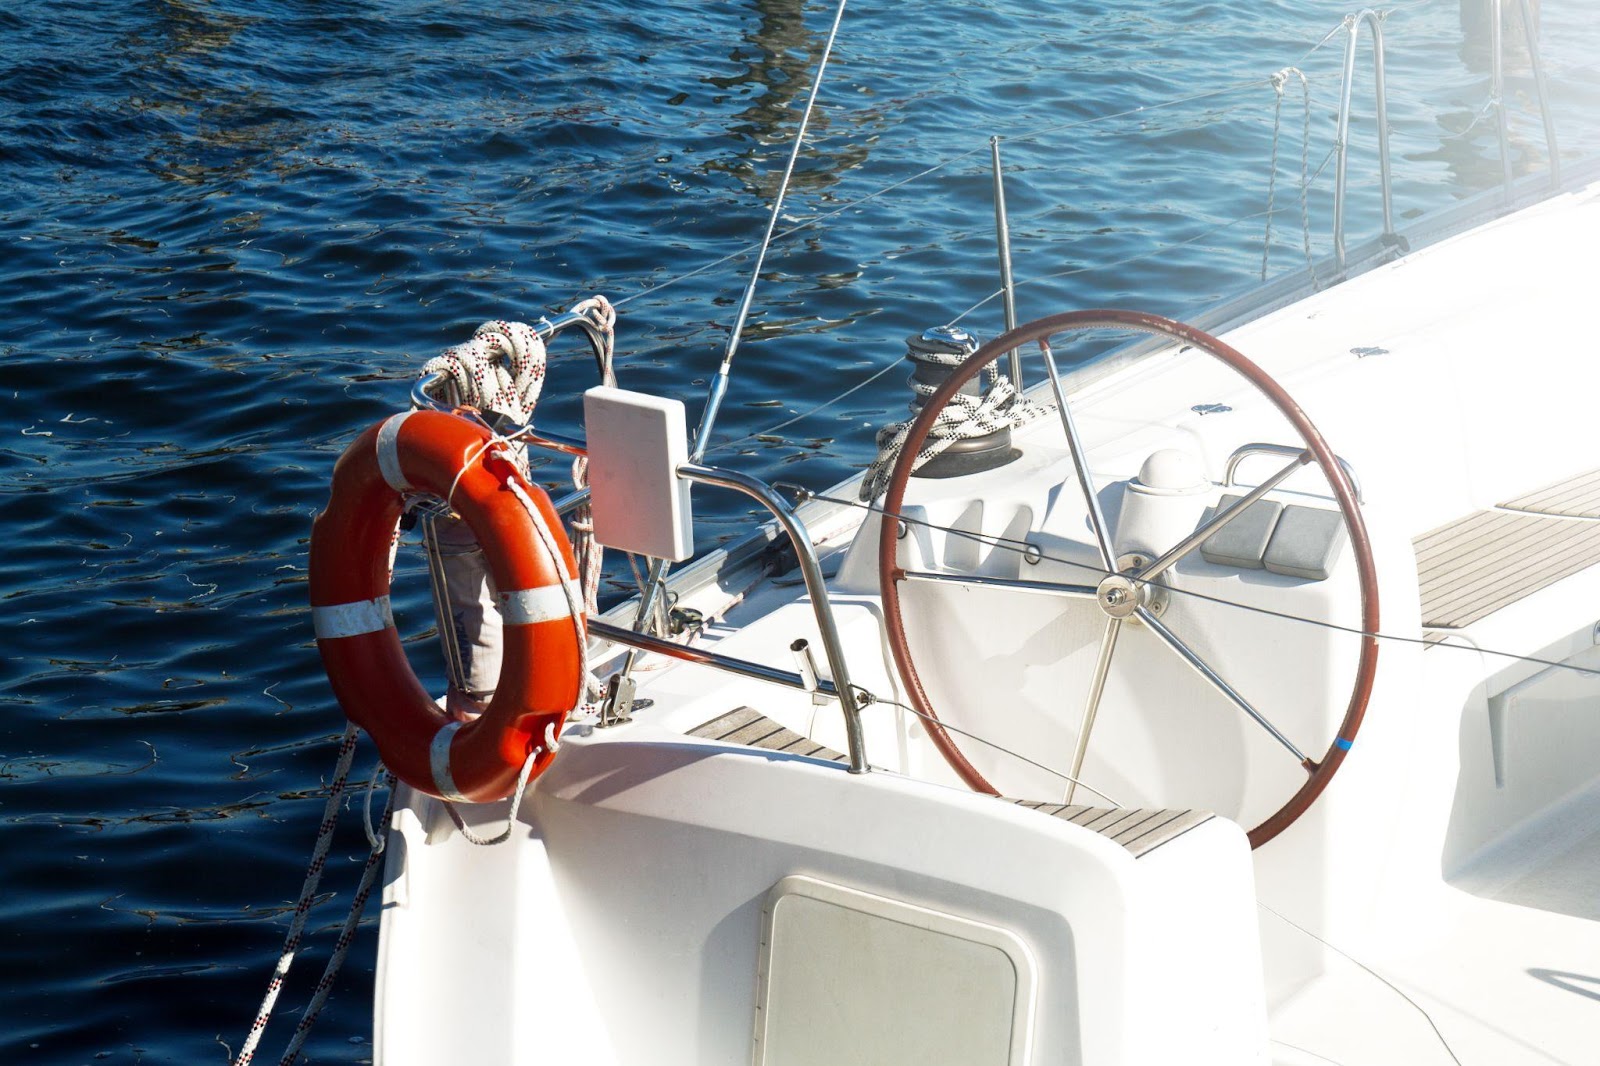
x,y
1127,595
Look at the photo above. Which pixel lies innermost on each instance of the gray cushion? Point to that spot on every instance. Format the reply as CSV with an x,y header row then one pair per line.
x,y
1307,542
1243,541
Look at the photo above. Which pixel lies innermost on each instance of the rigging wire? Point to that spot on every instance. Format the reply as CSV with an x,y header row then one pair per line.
x,y
1213,231
802,416
1033,551
1371,972
872,697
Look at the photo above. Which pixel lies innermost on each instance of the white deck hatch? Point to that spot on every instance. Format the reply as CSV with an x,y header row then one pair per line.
x,y
847,976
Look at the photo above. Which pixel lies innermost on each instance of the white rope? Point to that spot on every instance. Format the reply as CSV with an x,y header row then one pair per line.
x,y
516,803
964,417
308,891
588,551
472,457
576,608
374,836
501,369
552,743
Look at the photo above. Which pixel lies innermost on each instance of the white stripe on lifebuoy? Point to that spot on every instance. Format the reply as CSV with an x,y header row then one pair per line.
x,y
352,619
439,762
389,452
523,607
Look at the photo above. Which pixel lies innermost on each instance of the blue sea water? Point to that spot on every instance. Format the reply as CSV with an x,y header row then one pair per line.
x,y
234,229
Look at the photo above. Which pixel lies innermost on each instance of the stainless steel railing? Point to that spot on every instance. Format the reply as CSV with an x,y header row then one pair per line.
x,y
1341,142
1530,33
423,396
1374,19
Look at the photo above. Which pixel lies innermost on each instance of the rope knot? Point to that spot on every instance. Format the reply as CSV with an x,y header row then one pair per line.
x,y
502,463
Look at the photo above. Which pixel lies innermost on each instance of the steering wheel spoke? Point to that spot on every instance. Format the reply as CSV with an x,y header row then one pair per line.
x,y
1044,588
1080,463
1214,679
1091,707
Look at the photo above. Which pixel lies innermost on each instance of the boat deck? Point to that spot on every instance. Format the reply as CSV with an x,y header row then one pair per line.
x,y
1481,562
1138,829
1500,965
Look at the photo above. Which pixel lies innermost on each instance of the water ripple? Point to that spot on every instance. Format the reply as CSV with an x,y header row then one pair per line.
x,y
235,230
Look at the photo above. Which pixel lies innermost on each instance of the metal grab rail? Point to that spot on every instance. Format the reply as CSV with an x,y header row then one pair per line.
x,y
1341,141
816,587
1530,34
1375,19
810,569
1285,451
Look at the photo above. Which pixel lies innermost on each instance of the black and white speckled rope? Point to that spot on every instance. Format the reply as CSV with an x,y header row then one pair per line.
x,y
308,892
964,417
347,934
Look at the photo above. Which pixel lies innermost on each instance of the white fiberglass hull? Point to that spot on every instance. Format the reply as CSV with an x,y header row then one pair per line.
x,y
657,902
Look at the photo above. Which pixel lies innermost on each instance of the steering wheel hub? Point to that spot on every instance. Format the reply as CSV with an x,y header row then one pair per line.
x,y
1119,596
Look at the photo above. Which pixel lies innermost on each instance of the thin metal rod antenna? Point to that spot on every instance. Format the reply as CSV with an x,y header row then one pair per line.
x,y
655,583
719,383
1003,240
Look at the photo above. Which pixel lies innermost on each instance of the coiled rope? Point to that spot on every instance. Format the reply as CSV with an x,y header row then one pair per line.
x,y
966,416
502,370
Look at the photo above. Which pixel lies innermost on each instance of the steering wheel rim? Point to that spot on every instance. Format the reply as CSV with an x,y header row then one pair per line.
x,y
1320,772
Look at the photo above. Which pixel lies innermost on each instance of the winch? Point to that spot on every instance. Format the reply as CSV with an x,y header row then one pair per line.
x,y
934,354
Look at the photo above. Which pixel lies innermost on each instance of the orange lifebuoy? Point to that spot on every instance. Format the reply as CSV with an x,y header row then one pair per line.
x,y
534,574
